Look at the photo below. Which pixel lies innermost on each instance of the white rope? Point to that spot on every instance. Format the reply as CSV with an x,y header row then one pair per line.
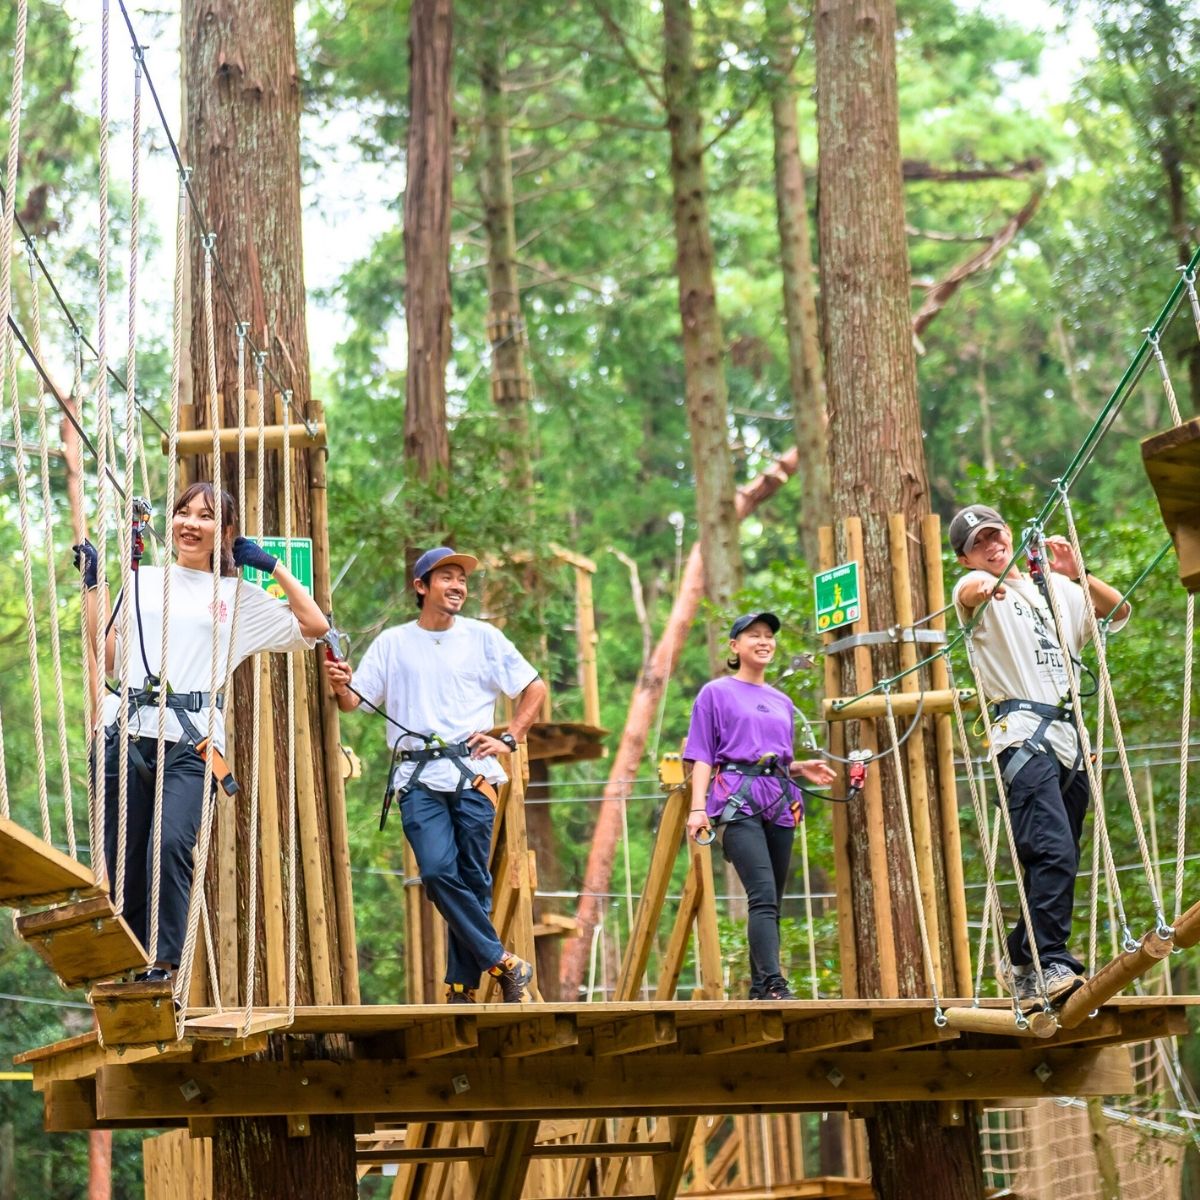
x,y
910,846
160,760
1106,691
1002,794
291,721
1094,900
1189,652
10,377
183,979
808,910
60,704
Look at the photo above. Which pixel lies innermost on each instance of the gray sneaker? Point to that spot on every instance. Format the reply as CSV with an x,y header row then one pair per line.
x,y
1024,983
1060,980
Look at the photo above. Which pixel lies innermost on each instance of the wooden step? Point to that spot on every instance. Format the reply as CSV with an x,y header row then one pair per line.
x,y
32,872
84,941
1172,461
134,1014
231,1023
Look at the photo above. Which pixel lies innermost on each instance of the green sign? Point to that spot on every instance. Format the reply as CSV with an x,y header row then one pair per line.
x,y
299,561
838,597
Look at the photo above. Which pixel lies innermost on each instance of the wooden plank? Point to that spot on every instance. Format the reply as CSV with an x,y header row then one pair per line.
x,y
828,1032
912,1029
84,941
199,441
943,727
34,872
232,1023
225,919
664,1084
925,884
846,708
839,822
1172,462
540,1035
585,633
877,864
451,1035
506,1160
709,961
270,867
69,1105
731,1034
675,951
668,1169
131,1014
643,1032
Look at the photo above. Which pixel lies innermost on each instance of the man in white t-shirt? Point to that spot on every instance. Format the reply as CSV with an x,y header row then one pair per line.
x,y
1028,677
436,681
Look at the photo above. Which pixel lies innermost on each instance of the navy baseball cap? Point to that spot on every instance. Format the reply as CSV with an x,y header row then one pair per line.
x,y
443,556
747,619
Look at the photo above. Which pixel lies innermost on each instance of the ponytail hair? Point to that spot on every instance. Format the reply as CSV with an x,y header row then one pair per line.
x,y
733,662
224,541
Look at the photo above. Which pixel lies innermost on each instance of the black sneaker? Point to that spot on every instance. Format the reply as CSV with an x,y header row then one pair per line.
x,y
154,975
777,989
459,993
514,976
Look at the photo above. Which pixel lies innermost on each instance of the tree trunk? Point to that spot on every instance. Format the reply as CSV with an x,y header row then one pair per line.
x,y
100,1164
800,311
878,468
427,235
506,320
703,344
643,707
255,1159
243,133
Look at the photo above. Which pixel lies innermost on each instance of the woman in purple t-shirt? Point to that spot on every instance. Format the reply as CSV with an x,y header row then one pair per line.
x,y
740,721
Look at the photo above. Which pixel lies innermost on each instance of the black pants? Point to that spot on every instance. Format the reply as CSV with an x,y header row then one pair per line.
x,y
183,792
761,853
1047,803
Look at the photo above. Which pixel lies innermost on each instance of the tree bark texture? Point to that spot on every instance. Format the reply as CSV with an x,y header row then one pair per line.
x,y
705,388
255,1159
878,468
427,196
243,130
243,133
800,317
643,706
100,1165
506,321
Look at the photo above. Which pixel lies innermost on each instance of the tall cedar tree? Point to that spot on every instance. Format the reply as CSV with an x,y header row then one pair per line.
x,y
243,132
878,468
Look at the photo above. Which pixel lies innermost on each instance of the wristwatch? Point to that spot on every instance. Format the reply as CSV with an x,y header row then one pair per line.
x,y
508,739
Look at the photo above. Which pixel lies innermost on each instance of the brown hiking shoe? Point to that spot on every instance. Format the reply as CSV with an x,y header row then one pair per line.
x,y
514,975
459,993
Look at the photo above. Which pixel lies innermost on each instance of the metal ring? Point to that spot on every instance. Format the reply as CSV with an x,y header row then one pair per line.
x,y
940,1019
705,836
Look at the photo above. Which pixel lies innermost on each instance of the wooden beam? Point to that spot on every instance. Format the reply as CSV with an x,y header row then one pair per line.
x,y
84,941
1001,1022
643,1032
450,1035
828,1032
69,1105
540,1035
728,1035
33,872
506,1160
847,708
911,1029
200,441
131,1014
490,1089
1114,977
1172,462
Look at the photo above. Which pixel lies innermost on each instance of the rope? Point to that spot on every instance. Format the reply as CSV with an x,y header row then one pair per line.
x,y
1094,901
168,563
808,911
291,724
60,704
10,378
915,877
183,979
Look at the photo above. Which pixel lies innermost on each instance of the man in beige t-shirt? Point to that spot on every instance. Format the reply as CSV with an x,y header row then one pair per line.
x,y
1028,678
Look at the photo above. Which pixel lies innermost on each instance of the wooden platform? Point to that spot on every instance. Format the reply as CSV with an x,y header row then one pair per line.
x,y
1172,461
134,1013
84,941
512,1063
32,872
566,742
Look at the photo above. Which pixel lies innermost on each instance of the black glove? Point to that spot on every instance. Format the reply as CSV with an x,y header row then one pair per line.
x,y
87,563
250,554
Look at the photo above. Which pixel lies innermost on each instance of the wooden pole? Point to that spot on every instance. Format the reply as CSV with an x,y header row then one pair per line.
x,y
904,704
881,892
330,721
843,884
198,441
585,632
1000,1021
918,778
1114,977
943,728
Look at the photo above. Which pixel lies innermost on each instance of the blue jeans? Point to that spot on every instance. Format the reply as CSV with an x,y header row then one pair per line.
x,y
451,840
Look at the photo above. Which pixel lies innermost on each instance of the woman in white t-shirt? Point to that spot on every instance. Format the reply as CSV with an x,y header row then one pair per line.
x,y
261,623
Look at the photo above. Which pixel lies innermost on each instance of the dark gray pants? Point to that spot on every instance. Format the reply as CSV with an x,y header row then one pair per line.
x,y
183,796
761,853
1047,804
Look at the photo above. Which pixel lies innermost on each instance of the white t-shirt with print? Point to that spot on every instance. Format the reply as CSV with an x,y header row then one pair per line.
x,y
263,624
1016,649
444,682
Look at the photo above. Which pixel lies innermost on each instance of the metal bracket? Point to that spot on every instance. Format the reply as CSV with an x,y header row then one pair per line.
x,y
888,637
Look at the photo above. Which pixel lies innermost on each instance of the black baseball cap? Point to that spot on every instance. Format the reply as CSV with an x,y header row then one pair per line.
x,y
969,523
747,619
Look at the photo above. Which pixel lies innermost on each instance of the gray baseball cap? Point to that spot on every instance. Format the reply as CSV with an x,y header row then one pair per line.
x,y
971,521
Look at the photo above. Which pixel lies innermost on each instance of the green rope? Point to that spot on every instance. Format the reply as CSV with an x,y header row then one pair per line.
x,y
1063,484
